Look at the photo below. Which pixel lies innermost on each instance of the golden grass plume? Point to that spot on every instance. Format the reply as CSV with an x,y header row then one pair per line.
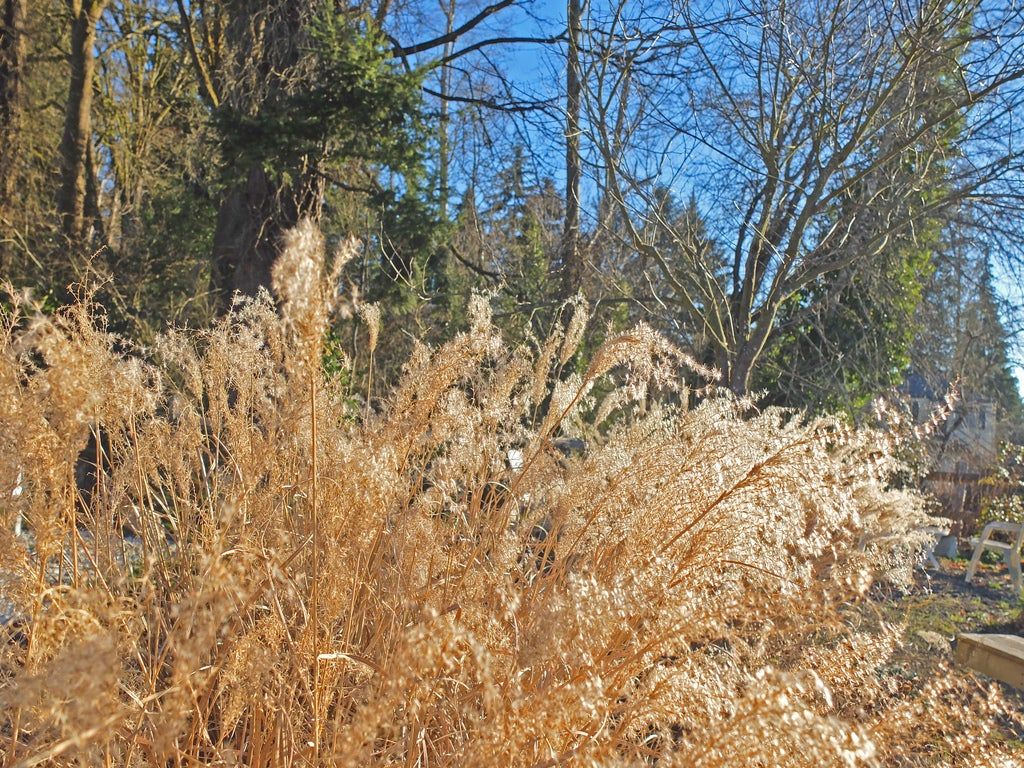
x,y
678,593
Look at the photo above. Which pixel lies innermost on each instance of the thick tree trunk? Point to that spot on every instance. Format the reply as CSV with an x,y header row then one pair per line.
x,y
74,145
739,363
572,261
12,70
739,371
265,46
250,223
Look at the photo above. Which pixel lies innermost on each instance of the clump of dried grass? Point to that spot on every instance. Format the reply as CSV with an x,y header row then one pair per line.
x,y
307,583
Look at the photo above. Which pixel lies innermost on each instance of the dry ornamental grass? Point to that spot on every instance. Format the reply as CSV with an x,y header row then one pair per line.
x,y
268,575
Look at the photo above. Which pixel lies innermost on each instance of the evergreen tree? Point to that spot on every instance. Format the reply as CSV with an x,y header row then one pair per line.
x,y
310,93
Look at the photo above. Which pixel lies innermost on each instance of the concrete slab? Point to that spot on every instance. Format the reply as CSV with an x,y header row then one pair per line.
x,y
998,656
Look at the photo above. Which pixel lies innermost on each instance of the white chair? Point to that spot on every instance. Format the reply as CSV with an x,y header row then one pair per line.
x,y
935,535
1011,551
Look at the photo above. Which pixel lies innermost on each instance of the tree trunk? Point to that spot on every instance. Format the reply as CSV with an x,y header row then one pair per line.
x,y
251,221
444,118
738,364
572,262
264,50
74,145
739,370
114,221
12,66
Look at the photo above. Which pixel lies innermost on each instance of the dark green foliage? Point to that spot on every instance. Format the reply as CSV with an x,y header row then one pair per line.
x,y
525,232
846,339
505,240
174,229
410,251
351,101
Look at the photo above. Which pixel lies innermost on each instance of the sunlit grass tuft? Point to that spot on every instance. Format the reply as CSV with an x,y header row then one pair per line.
x,y
269,575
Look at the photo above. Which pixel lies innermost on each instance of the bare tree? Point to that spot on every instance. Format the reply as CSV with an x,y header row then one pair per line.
x,y
813,134
141,83
448,8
